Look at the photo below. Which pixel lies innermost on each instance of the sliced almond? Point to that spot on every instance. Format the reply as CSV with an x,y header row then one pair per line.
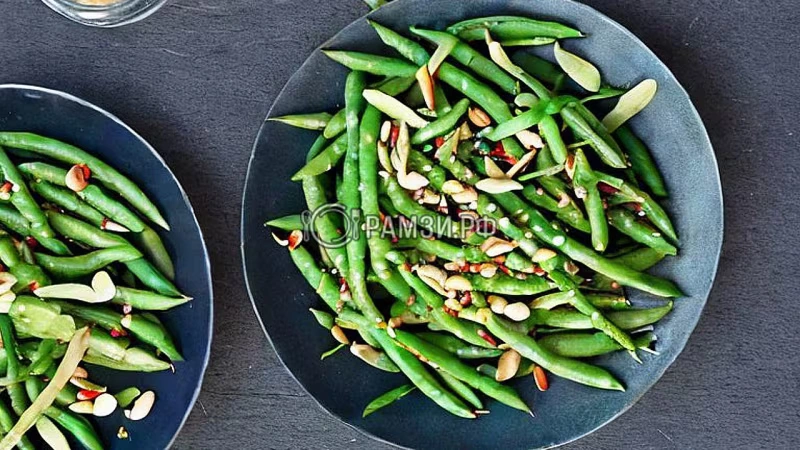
x,y
564,200
426,86
497,304
517,311
468,195
7,281
412,181
104,287
75,179
543,254
430,197
492,170
83,407
457,283
386,131
114,226
494,246
83,383
464,132
479,117
507,365
338,334
433,277
281,242
6,300
487,270
69,291
396,162
394,108
453,304
524,161
451,187
80,372
452,266
403,147
104,405
51,435
529,139
498,185
483,314
384,158
142,406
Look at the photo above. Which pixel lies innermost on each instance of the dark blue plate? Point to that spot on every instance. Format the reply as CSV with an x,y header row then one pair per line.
x,y
342,384
70,119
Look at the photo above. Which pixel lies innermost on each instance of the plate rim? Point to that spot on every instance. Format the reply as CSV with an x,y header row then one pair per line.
x,y
692,110
184,196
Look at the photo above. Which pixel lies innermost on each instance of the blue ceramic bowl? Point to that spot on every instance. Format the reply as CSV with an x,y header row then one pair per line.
x,y
70,119
342,384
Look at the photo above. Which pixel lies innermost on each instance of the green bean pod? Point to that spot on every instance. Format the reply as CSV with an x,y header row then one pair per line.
x,y
641,161
462,389
511,28
107,175
506,285
152,245
146,300
458,347
569,214
584,179
73,267
151,277
14,221
324,161
627,320
539,68
135,360
453,366
374,64
570,369
585,345
152,333
7,421
68,200
443,124
419,215
624,221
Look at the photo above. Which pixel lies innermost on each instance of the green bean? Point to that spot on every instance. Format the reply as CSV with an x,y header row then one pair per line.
x,y
324,161
506,285
314,121
458,347
7,421
442,125
73,267
556,187
22,199
152,333
387,399
326,228
602,301
539,68
149,275
28,275
435,304
519,123
442,104
585,345
569,214
43,358
419,215
587,127
654,211
470,58
103,172
368,178
95,314
102,344
68,200
82,232
135,360
585,180
641,161
146,300
287,223
374,64
335,126
153,247
511,28
570,369
461,388
627,320
624,221
451,365
395,86
14,221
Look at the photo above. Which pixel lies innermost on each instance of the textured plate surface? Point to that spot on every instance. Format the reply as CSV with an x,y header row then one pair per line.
x,y
343,385
62,116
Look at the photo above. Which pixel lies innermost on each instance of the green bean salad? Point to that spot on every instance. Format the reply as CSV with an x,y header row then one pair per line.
x,y
83,273
475,211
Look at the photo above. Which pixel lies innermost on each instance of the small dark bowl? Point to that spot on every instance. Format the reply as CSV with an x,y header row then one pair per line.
x,y
342,384
70,119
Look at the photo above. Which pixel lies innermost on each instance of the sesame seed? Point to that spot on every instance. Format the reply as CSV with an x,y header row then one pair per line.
x,y
559,240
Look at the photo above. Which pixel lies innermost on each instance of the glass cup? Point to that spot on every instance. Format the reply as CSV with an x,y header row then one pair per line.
x,y
105,13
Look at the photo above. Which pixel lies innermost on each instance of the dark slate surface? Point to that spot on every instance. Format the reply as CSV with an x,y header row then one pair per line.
x,y
197,78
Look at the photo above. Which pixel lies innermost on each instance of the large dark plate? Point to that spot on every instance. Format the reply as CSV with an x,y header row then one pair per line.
x,y
70,119
343,385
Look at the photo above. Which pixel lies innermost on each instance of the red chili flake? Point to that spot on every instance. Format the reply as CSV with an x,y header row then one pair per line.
x,y
6,187
406,266
500,152
104,223
85,394
115,333
295,239
3,268
474,268
487,337
569,164
606,189
539,271
31,241
615,285
634,206
499,259
439,141
466,299
450,312
393,136
86,172
34,285
411,300
343,285
395,239
505,270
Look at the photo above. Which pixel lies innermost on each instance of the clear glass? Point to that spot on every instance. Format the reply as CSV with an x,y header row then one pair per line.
x,y
105,13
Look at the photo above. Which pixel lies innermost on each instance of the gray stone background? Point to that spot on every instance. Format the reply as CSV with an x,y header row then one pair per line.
x,y
197,79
